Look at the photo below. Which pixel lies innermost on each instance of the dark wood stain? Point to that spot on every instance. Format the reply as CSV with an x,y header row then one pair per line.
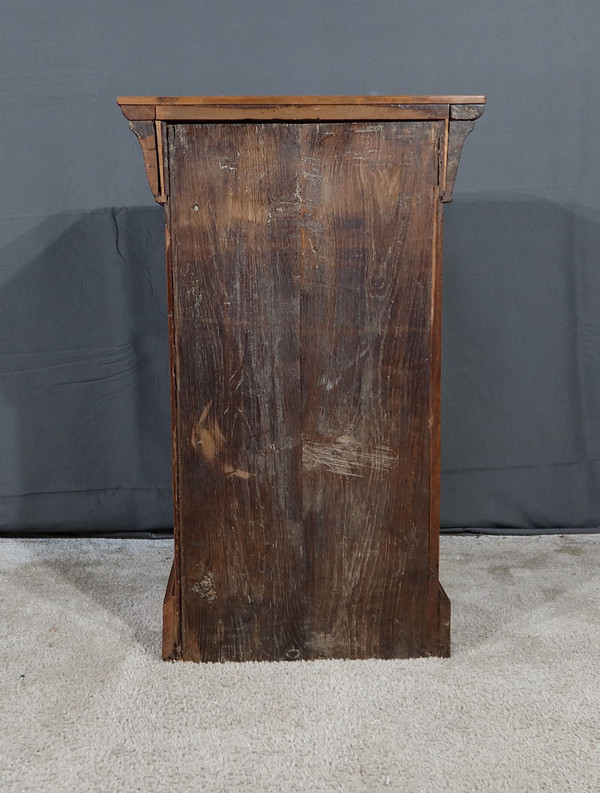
x,y
304,265
369,206
237,314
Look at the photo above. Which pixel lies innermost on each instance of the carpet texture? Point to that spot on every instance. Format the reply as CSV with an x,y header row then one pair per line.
x,y
86,704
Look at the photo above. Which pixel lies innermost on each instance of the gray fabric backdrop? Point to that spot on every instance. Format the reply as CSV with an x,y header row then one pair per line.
x,y
84,392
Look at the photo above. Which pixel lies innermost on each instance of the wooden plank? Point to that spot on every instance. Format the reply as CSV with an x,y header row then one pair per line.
x,y
435,390
299,112
234,213
172,618
424,99
369,196
160,150
439,614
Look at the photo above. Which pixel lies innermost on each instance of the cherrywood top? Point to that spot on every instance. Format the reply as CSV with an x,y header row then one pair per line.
x,y
232,108
302,100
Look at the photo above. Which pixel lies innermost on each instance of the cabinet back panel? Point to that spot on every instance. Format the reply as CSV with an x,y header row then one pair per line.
x,y
303,258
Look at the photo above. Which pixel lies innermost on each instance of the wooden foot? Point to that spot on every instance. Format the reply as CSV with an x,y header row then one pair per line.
x,y
170,642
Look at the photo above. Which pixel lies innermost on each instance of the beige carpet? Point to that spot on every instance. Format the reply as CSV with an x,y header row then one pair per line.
x,y
86,704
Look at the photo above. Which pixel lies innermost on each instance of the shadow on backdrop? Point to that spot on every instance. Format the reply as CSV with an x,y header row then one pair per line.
x,y
85,375
521,365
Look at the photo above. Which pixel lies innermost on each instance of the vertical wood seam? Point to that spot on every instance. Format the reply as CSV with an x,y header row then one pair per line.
x,y
432,388
174,374
159,126
445,156
301,273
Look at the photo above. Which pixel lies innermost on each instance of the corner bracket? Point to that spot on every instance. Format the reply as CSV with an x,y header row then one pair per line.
x,y
148,134
460,124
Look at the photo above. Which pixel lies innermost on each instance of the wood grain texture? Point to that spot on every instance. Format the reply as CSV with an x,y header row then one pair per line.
x,y
369,212
388,99
236,235
302,293
138,111
326,112
171,649
438,617
298,108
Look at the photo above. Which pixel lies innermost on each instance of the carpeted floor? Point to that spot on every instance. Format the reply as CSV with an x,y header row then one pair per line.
x,y
86,704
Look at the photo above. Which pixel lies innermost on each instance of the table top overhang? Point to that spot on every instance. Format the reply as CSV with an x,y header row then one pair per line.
x,y
334,108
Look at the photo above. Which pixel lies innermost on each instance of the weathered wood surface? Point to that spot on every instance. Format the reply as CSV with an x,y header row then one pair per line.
x,y
297,108
171,649
302,262
469,111
458,112
439,614
235,240
369,208
458,131
388,99
146,133
300,112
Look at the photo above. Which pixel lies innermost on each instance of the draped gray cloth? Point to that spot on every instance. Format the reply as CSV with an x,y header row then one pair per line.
x,y
84,391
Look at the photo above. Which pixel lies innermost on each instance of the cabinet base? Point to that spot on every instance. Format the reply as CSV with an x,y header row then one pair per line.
x,y
432,640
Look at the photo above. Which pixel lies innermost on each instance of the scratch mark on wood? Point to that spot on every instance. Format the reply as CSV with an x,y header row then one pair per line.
x,y
208,438
231,471
345,456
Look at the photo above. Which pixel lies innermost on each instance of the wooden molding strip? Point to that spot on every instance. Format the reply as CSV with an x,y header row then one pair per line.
x,y
301,113
297,108
301,100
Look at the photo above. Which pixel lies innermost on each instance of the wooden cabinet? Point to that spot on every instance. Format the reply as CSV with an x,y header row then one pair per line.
x,y
304,242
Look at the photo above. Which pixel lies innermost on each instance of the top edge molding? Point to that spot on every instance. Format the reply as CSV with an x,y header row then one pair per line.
x,y
302,100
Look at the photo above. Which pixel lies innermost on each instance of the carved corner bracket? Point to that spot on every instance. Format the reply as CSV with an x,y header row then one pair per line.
x,y
460,124
149,133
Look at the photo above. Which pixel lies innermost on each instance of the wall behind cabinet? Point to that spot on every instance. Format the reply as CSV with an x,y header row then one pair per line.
x,y
84,394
